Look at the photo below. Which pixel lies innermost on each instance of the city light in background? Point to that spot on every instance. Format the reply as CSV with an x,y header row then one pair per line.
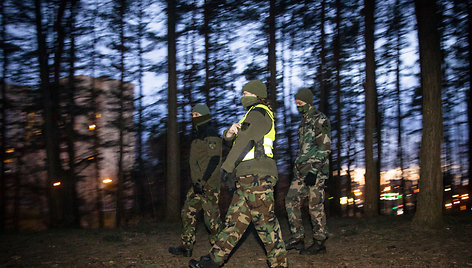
x,y
391,197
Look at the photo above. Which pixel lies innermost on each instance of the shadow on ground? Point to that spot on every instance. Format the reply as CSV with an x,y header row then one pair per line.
x,y
381,242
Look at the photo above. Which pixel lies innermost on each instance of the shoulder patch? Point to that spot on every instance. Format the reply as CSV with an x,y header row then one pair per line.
x,y
212,145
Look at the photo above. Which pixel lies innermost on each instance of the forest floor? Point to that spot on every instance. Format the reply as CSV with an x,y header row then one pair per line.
x,y
354,242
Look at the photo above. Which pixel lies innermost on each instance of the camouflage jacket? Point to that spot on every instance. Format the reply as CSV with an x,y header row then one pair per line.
x,y
314,138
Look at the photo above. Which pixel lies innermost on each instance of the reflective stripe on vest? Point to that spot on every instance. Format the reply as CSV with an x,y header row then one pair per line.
x,y
269,138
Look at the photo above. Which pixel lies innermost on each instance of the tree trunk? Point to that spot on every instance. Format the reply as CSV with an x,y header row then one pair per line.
x,y
121,123
93,116
96,152
371,182
272,57
54,169
469,91
335,182
430,197
3,130
139,175
71,205
173,156
400,160
206,35
324,91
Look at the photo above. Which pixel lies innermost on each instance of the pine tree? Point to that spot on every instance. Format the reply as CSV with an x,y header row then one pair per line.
x,y
371,178
429,207
173,156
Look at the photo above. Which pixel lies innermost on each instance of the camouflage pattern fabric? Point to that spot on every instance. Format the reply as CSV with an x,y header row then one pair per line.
x,y
314,136
296,194
253,201
211,213
314,139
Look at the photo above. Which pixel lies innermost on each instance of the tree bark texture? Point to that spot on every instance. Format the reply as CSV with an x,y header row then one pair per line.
x,y
335,181
324,92
272,57
173,150
121,120
430,197
50,133
371,182
3,130
138,174
469,90
71,206
206,35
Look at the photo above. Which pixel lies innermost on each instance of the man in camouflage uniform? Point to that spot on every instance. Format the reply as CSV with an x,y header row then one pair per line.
x,y
251,161
205,156
310,174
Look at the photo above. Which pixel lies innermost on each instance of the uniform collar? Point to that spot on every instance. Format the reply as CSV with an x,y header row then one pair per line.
x,y
311,111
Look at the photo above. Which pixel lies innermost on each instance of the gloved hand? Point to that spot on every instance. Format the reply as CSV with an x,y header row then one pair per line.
x,y
228,180
198,188
310,179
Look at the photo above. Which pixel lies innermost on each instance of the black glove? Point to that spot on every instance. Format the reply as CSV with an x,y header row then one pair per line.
x,y
198,188
228,180
310,179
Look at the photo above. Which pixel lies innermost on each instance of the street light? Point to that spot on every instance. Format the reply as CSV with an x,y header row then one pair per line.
x,y
107,180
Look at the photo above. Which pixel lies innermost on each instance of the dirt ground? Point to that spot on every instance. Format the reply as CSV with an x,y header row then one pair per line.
x,y
382,242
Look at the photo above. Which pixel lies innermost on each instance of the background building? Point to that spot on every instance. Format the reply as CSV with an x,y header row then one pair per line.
x,y
99,111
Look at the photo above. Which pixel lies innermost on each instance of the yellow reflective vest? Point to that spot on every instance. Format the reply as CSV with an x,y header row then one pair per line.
x,y
269,138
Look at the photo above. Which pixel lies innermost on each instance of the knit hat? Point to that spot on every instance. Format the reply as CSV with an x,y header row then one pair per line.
x,y
201,109
256,87
304,94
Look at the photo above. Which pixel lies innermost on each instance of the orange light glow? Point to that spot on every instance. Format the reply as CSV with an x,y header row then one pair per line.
x,y
9,151
98,115
388,188
465,196
357,192
92,127
56,184
107,180
416,191
448,205
463,207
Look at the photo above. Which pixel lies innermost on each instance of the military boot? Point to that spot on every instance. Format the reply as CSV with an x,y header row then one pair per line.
x,y
181,250
293,243
317,247
205,262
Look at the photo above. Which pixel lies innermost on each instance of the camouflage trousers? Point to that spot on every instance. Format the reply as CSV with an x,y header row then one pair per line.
x,y
253,201
211,214
297,192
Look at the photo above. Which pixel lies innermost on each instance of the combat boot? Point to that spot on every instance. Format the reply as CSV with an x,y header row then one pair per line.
x,y
293,243
181,250
205,262
318,247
